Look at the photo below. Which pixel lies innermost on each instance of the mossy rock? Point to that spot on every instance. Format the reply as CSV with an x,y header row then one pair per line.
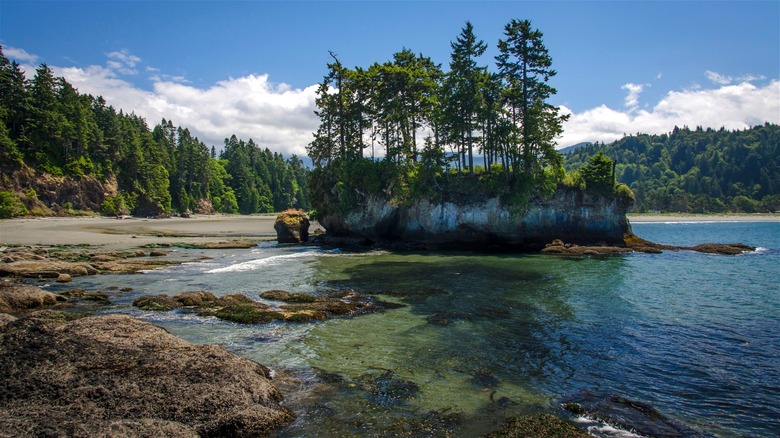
x,y
275,295
305,316
97,297
248,314
334,307
233,299
57,315
301,298
539,425
288,297
157,303
196,298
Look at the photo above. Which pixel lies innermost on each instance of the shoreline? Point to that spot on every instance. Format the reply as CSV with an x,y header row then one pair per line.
x,y
644,218
109,233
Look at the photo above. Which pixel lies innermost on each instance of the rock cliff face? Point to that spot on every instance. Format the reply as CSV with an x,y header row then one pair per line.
x,y
569,215
53,192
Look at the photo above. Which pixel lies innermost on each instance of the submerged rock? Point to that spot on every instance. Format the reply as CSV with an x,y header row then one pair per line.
x,y
386,388
627,414
114,375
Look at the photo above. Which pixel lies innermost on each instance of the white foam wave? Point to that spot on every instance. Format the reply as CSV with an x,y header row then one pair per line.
x,y
253,265
603,429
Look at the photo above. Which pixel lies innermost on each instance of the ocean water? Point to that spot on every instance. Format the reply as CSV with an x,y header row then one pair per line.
x,y
469,340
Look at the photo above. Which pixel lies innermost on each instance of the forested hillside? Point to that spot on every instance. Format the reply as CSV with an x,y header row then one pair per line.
x,y
697,171
62,151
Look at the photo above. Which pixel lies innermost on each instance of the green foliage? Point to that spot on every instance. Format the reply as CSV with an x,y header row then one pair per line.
x,y
114,206
598,174
696,171
573,180
468,111
49,126
624,193
11,206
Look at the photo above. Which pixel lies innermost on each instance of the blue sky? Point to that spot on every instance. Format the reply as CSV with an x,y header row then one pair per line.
x,y
249,67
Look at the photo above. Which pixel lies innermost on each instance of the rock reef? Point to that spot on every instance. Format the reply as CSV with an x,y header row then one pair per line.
x,y
296,307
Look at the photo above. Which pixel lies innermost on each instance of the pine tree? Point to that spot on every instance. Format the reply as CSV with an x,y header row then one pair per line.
x,y
524,66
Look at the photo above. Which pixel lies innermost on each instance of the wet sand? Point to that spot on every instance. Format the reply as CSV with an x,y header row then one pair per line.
x,y
112,234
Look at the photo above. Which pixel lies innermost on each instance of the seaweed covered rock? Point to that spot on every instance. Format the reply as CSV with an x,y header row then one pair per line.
x,y
115,375
539,425
292,226
15,298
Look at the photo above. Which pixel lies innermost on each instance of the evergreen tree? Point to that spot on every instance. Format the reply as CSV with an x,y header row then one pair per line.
x,y
524,66
464,90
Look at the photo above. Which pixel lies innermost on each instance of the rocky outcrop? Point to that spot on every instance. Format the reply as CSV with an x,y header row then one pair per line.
x,y
292,226
16,298
117,376
570,215
41,191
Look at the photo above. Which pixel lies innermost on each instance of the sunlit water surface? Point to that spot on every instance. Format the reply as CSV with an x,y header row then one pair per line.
x,y
475,339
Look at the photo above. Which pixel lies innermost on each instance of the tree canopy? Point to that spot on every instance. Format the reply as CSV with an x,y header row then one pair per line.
x,y
408,129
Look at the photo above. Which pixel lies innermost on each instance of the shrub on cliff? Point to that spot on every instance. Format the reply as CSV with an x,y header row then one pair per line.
x,y
599,174
11,206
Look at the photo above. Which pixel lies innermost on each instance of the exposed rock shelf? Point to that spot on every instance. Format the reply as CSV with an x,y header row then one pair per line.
x,y
117,376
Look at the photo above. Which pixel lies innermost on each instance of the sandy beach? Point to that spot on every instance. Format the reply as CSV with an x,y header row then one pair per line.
x,y
113,234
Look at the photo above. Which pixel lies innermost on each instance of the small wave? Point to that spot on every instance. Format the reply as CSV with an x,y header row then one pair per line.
x,y
253,265
602,429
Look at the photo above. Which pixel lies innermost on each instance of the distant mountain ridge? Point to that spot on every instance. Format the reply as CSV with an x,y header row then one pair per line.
x,y
574,147
695,171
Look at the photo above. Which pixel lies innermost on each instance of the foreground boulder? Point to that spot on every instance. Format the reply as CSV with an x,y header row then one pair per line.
x,y
117,376
292,226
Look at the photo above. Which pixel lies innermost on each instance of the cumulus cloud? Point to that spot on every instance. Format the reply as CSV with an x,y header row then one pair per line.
x,y
20,55
275,116
736,106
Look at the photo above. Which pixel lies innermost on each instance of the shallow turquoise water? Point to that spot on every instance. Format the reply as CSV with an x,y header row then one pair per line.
x,y
480,338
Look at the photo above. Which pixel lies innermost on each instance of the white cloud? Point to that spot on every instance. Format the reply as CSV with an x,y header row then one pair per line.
x,y
632,100
737,106
123,62
720,79
275,116
20,55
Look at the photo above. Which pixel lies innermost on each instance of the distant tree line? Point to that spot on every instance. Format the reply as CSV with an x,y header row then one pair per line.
x,y
696,171
408,129
49,126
